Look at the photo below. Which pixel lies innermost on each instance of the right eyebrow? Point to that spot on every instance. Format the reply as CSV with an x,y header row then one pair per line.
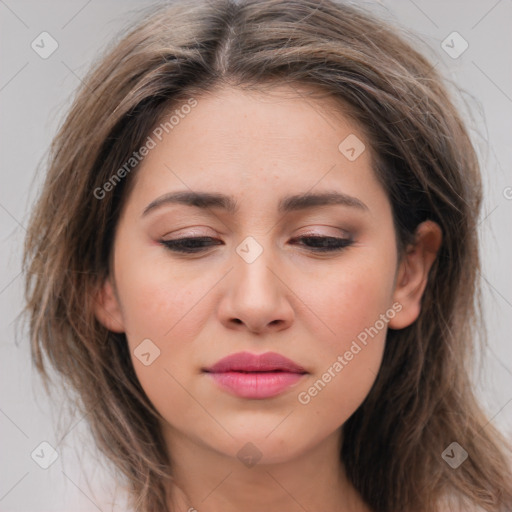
x,y
198,199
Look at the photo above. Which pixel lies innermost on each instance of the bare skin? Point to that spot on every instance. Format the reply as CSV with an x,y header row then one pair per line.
x,y
306,305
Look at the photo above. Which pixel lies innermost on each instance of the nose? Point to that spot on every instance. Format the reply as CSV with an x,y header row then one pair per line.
x,y
256,298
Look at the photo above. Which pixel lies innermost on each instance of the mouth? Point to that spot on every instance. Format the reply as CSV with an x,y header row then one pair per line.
x,y
255,376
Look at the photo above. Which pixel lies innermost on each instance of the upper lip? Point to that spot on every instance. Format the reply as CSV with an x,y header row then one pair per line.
x,y
247,362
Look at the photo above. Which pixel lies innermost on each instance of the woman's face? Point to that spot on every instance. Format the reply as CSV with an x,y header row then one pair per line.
x,y
258,283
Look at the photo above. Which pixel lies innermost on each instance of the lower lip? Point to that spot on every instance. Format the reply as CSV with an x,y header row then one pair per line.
x,y
257,385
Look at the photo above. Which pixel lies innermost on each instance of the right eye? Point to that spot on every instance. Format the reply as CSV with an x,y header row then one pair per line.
x,y
190,245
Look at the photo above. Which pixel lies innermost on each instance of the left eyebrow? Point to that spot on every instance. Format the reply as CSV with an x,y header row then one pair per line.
x,y
310,200
228,203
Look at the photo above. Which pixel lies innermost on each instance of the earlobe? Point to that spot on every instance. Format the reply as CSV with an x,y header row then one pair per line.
x,y
412,276
107,309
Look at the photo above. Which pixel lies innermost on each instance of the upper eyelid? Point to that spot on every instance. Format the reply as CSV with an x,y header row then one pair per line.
x,y
347,238
309,229
176,245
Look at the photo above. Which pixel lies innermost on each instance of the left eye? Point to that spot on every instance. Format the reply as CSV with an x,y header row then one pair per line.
x,y
314,243
326,243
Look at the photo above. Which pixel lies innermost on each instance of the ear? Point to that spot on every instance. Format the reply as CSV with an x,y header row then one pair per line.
x,y
107,308
412,275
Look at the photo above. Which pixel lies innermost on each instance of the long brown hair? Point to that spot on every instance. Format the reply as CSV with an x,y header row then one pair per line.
x,y
423,397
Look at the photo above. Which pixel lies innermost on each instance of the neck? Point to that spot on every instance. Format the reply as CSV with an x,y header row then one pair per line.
x,y
209,481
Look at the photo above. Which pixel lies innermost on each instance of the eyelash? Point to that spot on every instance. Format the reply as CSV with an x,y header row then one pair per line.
x,y
179,244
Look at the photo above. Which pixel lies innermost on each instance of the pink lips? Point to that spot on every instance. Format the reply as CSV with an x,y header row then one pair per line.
x,y
255,376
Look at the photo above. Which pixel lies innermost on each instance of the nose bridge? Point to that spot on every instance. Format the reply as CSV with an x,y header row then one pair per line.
x,y
252,278
256,296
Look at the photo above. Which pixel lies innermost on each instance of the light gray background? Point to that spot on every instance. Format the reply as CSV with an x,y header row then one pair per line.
x,y
34,95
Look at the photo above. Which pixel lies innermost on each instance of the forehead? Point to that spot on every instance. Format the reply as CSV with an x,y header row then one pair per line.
x,y
255,144
283,120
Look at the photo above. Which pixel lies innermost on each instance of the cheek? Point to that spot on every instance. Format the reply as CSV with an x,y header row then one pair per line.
x,y
355,306
347,361
168,311
157,298
168,304
352,299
